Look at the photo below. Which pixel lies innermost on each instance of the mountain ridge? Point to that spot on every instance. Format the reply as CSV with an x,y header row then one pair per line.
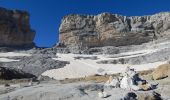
x,y
108,29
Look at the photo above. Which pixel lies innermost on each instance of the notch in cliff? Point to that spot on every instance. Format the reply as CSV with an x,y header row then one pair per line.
x,y
15,30
113,30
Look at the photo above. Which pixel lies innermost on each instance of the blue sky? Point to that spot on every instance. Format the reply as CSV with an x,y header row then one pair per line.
x,y
46,15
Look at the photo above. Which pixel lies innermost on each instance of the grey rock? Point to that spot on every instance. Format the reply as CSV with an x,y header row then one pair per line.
x,y
149,96
91,87
36,64
161,55
63,50
5,90
44,78
82,57
130,96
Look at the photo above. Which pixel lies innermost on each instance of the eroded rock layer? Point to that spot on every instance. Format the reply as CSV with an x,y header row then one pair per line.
x,y
112,30
15,28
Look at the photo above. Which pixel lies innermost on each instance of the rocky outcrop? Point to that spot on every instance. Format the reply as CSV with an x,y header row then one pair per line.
x,y
15,30
112,30
11,73
36,64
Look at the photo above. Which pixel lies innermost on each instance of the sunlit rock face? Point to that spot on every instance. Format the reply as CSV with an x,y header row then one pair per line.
x,y
112,30
15,28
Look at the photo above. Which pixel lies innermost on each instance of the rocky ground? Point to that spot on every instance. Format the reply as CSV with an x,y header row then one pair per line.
x,y
22,63
34,63
81,90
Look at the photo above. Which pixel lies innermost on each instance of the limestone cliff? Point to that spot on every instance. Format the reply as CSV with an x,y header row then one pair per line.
x,y
112,30
15,28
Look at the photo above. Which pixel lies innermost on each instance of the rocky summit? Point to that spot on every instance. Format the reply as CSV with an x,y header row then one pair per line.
x,y
15,30
112,30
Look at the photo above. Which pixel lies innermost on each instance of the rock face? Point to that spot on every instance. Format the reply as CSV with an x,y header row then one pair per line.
x,y
15,28
112,30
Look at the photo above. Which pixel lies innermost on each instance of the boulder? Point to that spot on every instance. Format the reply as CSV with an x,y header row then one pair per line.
x,y
15,29
130,96
161,72
142,96
145,87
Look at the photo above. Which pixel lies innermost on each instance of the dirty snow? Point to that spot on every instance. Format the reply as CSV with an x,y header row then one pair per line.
x,y
4,56
82,68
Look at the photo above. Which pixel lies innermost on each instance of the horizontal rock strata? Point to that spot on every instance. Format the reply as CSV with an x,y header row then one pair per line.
x,y
112,30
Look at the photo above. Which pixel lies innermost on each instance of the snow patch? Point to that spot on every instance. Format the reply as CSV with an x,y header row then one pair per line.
x,y
86,67
13,54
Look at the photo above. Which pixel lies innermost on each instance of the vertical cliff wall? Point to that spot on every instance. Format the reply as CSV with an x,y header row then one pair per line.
x,y
15,30
112,30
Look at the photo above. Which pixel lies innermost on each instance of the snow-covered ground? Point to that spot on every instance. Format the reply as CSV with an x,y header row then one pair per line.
x,y
13,54
85,67
4,56
7,60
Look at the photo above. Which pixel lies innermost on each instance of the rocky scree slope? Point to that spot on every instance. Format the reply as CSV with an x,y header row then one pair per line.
x,y
112,30
35,64
15,29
